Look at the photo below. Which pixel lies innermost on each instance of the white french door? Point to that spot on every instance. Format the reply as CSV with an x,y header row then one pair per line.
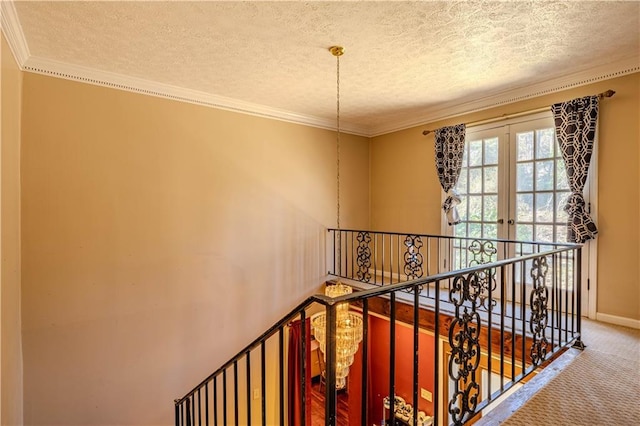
x,y
513,185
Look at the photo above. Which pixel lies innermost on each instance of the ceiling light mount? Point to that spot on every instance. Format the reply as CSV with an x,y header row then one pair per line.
x,y
336,50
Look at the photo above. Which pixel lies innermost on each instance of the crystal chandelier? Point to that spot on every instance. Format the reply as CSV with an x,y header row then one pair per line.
x,y
348,333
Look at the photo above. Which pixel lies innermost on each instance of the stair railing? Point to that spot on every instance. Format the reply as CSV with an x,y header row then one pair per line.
x,y
505,317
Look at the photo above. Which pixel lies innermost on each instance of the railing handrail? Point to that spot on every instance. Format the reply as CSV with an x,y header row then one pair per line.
x,y
388,288
453,237
316,298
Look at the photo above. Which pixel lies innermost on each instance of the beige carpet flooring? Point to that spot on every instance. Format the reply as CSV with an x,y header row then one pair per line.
x,y
598,386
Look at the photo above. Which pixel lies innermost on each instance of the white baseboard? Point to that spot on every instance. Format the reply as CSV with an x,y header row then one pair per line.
x,y
613,319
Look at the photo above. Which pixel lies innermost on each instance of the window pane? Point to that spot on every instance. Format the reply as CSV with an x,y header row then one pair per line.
x,y
490,208
461,186
561,233
544,175
460,230
475,153
524,208
546,142
475,181
524,146
475,207
524,177
491,151
561,201
491,179
475,230
489,231
544,232
561,175
462,208
544,207
524,232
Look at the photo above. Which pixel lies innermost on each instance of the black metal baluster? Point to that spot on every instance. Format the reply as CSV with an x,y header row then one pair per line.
x,y
392,357
330,367
193,410
199,409
579,344
436,345
390,259
263,383
206,405
303,366
382,259
555,319
248,388
502,345
224,397
364,402
177,412
334,252
490,328
215,401
399,258
566,300
235,391
353,255
523,308
513,316
375,258
416,349
188,410
281,373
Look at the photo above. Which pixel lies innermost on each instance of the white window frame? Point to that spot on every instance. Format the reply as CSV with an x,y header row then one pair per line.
x,y
590,248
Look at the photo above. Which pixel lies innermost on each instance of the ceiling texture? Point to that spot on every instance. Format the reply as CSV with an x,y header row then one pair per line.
x,y
405,63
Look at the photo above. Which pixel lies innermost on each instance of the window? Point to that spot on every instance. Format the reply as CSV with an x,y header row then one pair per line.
x,y
513,186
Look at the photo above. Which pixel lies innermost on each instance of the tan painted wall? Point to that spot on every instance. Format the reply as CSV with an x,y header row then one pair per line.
x,y
159,238
11,384
405,192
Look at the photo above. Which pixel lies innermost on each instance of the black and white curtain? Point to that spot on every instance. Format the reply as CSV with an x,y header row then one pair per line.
x,y
575,123
449,147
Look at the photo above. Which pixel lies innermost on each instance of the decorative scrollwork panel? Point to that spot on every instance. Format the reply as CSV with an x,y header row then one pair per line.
x,y
539,310
484,252
413,259
363,256
464,340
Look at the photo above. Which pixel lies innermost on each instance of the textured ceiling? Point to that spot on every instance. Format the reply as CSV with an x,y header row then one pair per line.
x,y
402,58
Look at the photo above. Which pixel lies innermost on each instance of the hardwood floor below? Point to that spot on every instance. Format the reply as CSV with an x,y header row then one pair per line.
x,y
317,406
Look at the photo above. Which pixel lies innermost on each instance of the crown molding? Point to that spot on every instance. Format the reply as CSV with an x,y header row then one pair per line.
x,y
146,87
441,112
12,30
455,108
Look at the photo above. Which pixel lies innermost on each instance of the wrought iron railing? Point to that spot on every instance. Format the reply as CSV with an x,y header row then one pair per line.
x,y
492,323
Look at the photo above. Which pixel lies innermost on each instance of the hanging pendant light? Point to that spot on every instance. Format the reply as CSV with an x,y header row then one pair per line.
x,y
348,324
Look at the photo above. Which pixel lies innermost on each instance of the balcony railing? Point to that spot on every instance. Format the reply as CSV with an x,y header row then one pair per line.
x,y
482,315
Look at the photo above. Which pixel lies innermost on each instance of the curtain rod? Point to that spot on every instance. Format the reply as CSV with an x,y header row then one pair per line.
x,y
607,94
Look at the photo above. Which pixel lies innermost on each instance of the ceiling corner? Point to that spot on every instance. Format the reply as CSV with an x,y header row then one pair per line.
x,y
12,30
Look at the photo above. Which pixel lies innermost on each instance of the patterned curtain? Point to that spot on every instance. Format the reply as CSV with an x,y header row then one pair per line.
x,y
575,123
449,152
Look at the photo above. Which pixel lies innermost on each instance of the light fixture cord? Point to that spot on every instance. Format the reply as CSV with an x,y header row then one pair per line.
x,y
338,163
338,137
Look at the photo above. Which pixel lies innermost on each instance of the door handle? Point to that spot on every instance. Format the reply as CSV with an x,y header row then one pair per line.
x,y
511,221
500,221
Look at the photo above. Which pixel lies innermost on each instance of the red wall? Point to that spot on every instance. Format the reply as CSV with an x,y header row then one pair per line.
x,y
379,354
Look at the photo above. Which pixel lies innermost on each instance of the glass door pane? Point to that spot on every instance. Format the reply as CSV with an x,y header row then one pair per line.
x,y
541,190
479,187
